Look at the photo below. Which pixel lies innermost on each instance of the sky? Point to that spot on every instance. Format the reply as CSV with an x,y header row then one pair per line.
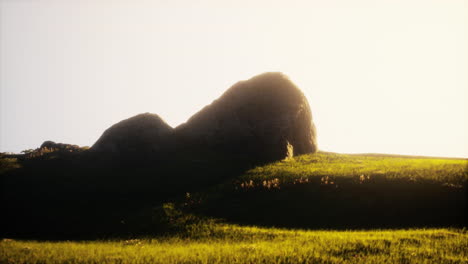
x,y
380,76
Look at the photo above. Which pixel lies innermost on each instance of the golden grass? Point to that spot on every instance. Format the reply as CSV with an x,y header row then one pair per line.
x,y
321,165
235,244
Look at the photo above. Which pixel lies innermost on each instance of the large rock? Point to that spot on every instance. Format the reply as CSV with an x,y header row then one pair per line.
x,y
141,135
264,118
51,145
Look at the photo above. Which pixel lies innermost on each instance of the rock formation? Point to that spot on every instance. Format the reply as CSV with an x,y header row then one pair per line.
x,y
143,134
266,118
51,145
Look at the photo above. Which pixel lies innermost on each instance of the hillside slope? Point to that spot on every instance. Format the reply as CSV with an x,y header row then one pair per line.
x,y
330,190
314,191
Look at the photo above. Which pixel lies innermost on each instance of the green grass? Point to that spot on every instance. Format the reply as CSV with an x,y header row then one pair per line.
x,y
7,164
342,191
349,166
235,244
320,191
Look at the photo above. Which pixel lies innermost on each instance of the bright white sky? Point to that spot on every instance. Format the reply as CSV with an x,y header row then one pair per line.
x,y
381,76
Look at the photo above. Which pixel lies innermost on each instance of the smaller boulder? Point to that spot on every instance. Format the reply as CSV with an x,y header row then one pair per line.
x,y
142,135
48,144
51,145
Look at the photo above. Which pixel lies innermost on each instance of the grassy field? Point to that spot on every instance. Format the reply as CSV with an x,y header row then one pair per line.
x,y
340,191
235,244
332,208
335,167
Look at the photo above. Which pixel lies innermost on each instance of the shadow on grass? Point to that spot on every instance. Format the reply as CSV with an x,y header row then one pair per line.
x,y
86,197
393,203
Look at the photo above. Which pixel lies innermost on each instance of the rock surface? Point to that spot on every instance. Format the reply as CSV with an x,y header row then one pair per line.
x,y
266,117
143,134
51,145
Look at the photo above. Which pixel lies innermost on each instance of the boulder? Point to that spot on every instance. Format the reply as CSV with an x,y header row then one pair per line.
x,y
142,135
51,145
262,119
265,118
48,144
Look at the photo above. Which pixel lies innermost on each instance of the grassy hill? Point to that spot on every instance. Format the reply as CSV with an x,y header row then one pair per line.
x,y
329,190
403,210
236,244
343,167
